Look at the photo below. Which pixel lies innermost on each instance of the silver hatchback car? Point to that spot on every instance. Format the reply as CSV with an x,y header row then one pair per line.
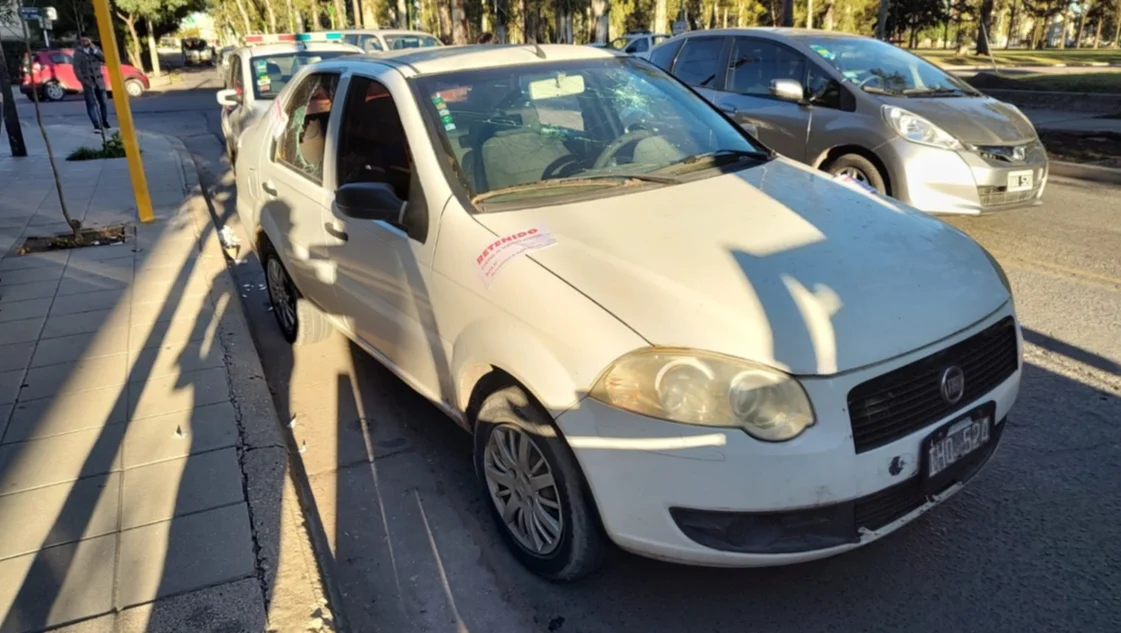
x,y
859,107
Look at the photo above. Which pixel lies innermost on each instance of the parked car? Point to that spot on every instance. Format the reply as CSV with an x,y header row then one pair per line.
x,y
637,43
659,332
259,71
859,107
372,40
51,72
197,52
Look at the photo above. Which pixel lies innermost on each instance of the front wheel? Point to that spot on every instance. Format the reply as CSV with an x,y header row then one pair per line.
x,y
134,88
859,169
537,490
53,91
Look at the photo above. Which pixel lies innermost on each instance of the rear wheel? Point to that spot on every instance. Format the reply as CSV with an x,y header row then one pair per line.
x,y
859,169
53,91
300,321
537,490
134,88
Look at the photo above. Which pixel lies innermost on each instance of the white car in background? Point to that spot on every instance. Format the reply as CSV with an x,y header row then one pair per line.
x,y
257,72
637,43
373,40
660,333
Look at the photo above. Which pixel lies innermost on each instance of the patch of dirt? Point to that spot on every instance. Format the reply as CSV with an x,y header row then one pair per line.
x,y
99,236
1096,148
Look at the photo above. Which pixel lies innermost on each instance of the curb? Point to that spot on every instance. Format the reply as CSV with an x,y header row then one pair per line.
x,y
1081,171
274,499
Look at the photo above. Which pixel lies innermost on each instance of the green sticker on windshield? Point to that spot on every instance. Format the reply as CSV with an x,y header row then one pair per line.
x,y
821,50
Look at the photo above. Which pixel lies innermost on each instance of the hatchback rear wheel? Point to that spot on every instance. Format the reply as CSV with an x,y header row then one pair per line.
x,y
53,91
134,88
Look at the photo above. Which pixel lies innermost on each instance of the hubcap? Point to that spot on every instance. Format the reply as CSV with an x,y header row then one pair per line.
x,y
132,88
523,490
283,299
854,173
54,91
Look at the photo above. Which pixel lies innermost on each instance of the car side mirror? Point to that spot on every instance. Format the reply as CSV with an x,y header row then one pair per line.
x,y
788,90
229,97
369,201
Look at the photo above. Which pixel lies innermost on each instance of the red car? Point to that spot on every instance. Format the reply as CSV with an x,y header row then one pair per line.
x,y
52,71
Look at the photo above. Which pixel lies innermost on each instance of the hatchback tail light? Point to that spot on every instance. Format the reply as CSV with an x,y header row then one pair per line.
x,y
36,67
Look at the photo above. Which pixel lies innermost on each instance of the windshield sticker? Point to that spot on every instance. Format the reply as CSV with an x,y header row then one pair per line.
x,y
502,250
449,127
824,52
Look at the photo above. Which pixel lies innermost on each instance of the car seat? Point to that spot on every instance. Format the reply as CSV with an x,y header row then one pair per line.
x,y
515,150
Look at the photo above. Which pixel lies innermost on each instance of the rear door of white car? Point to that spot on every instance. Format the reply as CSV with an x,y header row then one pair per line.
x,y
296,204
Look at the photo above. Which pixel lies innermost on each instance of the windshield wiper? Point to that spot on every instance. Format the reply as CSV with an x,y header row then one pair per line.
x,y
577,180
937,92
715,156
883,91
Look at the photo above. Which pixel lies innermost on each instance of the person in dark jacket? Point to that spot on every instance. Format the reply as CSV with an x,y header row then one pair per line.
x,y
88,61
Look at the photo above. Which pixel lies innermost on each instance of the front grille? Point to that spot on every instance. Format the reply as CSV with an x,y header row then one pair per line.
x,y
1033,152
907,399
1000,196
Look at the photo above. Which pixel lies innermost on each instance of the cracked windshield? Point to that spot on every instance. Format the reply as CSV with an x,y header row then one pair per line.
x,y
554,130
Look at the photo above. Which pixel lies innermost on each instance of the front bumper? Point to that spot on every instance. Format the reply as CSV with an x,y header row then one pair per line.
x,y
656,482
962,182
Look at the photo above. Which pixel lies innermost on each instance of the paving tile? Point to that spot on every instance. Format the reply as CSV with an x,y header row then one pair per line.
x,y
97,254
47,417
30,275
73,286
181,330
56,381
23,331
59,459
23,292
50,259
16,355
59,514
10,382
197,551
160,491
67,324
58,585
180,434
160,362
19,310
68,349
86,302
178,393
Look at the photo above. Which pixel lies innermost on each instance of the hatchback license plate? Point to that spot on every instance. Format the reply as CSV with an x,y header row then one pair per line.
x,y
1020,180
948,446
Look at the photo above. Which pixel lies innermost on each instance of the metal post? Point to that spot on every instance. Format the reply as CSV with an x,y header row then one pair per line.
x,y
124,112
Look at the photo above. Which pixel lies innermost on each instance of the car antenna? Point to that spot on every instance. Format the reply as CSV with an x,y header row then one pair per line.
x,y
537,50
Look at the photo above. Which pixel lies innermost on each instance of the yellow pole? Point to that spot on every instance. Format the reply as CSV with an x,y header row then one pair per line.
x,y
124,113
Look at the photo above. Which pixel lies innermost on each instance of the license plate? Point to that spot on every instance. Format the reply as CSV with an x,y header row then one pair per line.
x,y
948,446
1020,180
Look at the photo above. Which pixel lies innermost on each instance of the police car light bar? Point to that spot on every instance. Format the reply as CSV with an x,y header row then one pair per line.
x,y
270,38
319,36
274,38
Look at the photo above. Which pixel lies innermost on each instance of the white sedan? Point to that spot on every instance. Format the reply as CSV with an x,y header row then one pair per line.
x,y
660,334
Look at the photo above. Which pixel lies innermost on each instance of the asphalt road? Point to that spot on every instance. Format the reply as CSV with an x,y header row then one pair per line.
x,y
1031,545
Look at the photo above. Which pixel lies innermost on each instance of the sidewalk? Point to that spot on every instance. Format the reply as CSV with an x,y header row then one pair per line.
x,y
143,475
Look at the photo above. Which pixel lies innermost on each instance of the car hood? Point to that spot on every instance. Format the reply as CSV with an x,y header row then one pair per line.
x,y
776,264
975,120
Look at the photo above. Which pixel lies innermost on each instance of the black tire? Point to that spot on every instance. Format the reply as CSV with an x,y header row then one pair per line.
x,y
582,543
859,168
308,323
132,85
52,91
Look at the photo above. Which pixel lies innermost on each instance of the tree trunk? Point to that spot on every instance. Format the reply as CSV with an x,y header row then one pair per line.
x,y
403,15
356,9
271,13
444,13
1063,29
946,34
601,26
133,48
340,13
827,21
659,17
245,16
1011,24
985,19
153,52
881,20
1098,31
11,116
1081,25
459,22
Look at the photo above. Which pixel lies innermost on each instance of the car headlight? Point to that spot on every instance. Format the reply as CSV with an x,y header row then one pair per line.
x,y
918,130
707,389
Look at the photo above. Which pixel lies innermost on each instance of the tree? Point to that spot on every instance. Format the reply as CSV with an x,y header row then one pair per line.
x,y
151,14
983,24
11,115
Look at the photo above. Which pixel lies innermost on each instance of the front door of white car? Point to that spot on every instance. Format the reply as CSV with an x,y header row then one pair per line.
x,y
292,190
384,268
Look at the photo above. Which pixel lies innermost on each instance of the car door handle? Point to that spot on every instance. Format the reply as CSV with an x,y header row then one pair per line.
x,y
268,187
335,232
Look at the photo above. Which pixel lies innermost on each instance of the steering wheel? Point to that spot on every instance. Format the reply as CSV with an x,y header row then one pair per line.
x,y
864,82
613,148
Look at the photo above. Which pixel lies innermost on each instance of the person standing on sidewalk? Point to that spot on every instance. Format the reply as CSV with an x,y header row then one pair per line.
x,y
88,62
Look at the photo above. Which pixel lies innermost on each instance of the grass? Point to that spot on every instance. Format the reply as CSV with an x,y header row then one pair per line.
x,y
1109,83
114,147
1024,57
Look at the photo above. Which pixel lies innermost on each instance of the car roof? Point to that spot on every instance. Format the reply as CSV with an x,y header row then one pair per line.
x,y
384,32
439,59
777,32
296,47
